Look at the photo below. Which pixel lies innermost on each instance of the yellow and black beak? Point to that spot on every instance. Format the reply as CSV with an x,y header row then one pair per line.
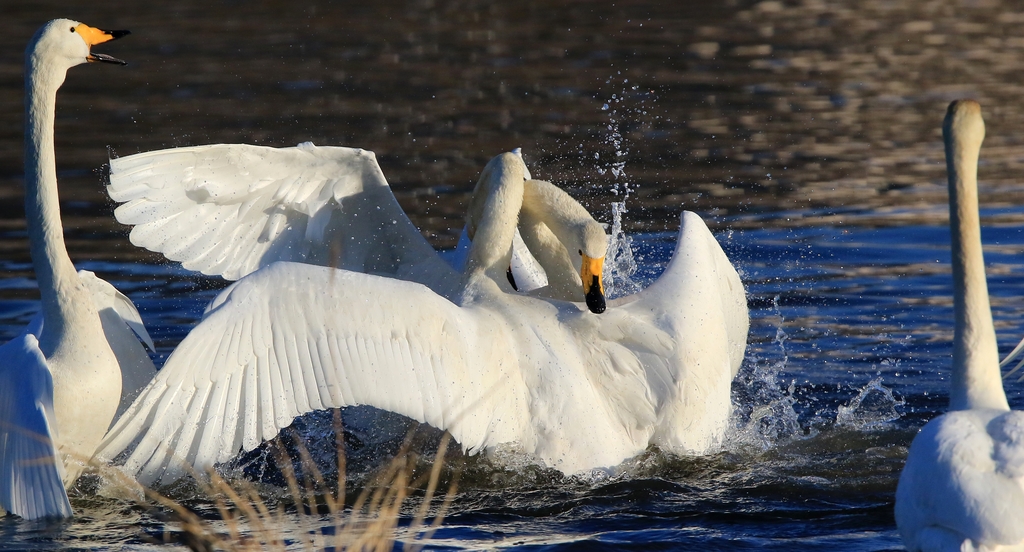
x,y
593,287
94,36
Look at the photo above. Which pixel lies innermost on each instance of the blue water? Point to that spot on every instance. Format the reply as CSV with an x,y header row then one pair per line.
x,y
848,356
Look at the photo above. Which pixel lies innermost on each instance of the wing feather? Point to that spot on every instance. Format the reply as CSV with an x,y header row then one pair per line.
x,y
251,436
229,209
31,478
338,338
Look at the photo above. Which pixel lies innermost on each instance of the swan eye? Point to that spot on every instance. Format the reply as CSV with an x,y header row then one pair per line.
x,y
581,252
72,29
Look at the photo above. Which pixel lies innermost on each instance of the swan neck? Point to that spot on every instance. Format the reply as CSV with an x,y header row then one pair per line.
x,y
55,273
494,214
544,202
977,382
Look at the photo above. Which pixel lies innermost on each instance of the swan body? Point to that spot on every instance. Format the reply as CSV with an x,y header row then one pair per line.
x,y
61,380
962,487
229,209
577,390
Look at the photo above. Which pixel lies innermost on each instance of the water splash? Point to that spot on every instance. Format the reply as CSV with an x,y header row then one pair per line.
x,y
620,265
763,409
873,406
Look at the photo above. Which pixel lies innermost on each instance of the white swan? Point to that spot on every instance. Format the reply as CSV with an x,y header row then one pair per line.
x,y
229,209
61,381
575,389
962,487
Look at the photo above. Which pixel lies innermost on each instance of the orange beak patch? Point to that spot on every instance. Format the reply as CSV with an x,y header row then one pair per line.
x,y
593,286
93,36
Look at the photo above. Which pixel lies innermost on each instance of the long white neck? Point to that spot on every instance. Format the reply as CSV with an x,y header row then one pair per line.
x,y
565,217
977,382
493,214
55,273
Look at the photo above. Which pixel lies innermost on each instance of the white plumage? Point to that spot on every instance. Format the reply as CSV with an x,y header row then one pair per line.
x,y
576,389
229,209
962,487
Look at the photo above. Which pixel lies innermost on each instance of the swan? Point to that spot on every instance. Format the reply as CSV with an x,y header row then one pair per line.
x,y
77,363
574,389
962,487
229,209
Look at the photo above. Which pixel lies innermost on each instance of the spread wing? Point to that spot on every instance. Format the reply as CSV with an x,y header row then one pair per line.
x,y
292,338
703,286
700,304
229,209
31,478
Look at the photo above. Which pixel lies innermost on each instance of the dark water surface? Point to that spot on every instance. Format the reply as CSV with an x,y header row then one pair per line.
x,y
805,133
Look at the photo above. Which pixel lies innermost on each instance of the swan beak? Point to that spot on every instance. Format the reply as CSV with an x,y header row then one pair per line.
x,y
593,287
93,36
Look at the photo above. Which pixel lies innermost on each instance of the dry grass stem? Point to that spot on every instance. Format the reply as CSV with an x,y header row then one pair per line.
x,y
320,519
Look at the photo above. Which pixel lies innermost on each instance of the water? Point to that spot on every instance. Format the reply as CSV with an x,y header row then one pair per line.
x,y
806,134
848,356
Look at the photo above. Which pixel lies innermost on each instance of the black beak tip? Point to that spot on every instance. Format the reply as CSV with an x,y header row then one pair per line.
x,y
595,299
103,58
118,34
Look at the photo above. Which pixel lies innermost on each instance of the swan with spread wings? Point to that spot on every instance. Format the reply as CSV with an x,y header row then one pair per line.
x,y
576,389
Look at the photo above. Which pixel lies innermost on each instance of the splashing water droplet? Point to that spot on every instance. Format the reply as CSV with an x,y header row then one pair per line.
x,y
620,265
764,413
873,406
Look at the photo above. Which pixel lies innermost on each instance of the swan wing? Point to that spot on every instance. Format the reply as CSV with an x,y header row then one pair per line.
x,y
31,478
292,338
123,328
106,296
1011,357
964,479
229,209
700,280
699,306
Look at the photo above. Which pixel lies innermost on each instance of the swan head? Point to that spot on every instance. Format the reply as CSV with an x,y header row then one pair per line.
x,y
68,43
963,128
592,249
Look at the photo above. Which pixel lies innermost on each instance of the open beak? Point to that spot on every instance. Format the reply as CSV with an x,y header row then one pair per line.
x,y
593,288
94,36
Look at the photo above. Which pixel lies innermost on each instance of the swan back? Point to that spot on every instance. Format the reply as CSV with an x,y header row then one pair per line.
x,y
977,382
